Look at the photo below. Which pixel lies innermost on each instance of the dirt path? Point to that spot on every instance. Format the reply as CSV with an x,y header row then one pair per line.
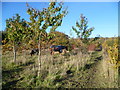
x,y
92,76
97,78
96,73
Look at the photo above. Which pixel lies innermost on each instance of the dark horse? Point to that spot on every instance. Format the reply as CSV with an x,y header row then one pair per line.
x,y
34,51
57,48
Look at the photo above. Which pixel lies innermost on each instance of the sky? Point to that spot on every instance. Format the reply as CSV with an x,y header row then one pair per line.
x,y
103,16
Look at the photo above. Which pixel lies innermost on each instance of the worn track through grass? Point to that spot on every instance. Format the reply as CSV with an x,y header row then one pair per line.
x,y
57,71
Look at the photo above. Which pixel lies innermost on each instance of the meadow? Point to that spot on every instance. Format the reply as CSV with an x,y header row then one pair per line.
x,y
74,69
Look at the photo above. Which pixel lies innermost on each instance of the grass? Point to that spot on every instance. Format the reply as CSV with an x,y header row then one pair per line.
x,y
71,70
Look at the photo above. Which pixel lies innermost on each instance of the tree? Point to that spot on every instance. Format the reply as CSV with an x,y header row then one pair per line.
x,y
41,20
83,32
15,28
59,38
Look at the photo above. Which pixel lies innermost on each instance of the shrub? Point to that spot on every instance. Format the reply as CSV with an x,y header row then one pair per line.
x,y
112,51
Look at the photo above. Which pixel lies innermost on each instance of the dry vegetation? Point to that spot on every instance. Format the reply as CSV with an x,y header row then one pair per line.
x,y
74,69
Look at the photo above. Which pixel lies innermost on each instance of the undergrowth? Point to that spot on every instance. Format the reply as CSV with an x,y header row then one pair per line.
x,y
58,71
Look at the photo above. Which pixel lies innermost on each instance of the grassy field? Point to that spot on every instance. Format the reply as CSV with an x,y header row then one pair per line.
x,y
71,70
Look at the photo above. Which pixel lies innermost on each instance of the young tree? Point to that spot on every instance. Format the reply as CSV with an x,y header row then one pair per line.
x,y
41,20
15,28
83,32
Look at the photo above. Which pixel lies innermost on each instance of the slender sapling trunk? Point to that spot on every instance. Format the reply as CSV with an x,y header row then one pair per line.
x,y
39,57
14,51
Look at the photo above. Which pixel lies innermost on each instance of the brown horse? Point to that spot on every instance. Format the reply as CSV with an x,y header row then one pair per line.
x,y
93,47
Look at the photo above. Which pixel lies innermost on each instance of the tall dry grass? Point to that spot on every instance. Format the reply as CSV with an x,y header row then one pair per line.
x,y
71,69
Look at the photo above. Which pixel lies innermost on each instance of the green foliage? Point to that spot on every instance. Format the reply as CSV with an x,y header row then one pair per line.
x,y
59,38
15,28
83,31
48,17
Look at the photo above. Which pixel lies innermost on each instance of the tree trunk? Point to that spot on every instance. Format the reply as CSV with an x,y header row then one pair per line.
x,y
39,57
14,51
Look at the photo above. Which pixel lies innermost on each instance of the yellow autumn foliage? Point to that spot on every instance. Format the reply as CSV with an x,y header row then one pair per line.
x,y
112,51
